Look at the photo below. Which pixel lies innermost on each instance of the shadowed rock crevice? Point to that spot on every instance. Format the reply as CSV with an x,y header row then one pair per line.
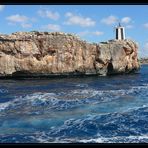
x,y
110,69
21,73
57,53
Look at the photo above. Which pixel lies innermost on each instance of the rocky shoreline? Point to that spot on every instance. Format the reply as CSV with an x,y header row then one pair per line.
x,y
143,61
57,54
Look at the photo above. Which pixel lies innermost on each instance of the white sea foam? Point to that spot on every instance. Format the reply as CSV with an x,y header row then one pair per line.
x,y
3,106
43,137
33,99
97,140
118,139
3,91
82,85
74,97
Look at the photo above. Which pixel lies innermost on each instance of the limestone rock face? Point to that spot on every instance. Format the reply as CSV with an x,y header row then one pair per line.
x,y
44,53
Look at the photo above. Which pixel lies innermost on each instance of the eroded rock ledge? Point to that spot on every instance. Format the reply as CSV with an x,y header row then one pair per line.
x,y
44,53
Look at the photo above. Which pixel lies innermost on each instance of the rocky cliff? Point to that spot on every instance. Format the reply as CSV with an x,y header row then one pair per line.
x,y
45,54
143,61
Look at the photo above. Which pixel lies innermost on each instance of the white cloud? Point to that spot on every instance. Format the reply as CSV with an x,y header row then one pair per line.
x,y
49,14
146,46
88,33
26,25
52,27
21,20
126,20
83,33
129,37
68,14
129,26
17,18
109,20
146,25
79,20
98,33
33,19
2,7
41,13
11,24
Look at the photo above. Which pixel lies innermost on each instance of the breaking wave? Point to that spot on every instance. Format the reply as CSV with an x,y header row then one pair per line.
x,y
74,98
122,127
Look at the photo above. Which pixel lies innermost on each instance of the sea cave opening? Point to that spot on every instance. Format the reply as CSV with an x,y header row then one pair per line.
x,y
109,68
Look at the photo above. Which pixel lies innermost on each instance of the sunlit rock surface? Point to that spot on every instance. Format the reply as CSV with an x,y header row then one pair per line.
x,y
47,54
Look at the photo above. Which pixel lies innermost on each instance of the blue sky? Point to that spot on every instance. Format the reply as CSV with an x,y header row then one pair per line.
x,y
93,23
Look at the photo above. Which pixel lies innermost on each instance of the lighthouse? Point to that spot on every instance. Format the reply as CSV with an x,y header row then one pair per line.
x,y
120,32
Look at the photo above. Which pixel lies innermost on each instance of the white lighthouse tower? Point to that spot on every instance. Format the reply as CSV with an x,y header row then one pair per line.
x,y
120,33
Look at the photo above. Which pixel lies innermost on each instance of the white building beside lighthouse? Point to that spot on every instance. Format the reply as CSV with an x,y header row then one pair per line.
x,y
120,33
